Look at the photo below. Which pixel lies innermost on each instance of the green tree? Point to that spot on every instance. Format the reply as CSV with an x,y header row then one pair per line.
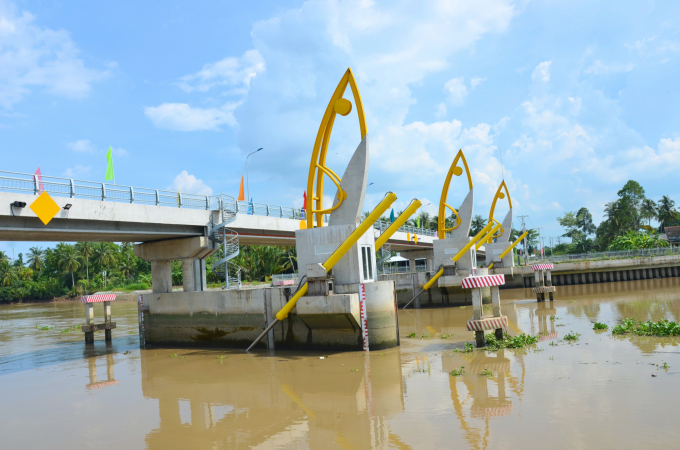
x,y
478,222
666,212
649,210
7,276
86,250
36,259
103,255
579,224
634,240
68,260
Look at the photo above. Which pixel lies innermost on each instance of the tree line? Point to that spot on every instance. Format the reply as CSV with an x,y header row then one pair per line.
x,y
626,225
78,269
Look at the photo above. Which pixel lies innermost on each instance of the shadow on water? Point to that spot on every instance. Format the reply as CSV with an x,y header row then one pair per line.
x,y
63,353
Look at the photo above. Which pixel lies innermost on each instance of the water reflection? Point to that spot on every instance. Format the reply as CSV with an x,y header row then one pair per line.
x,y
545,324
475,395
92,368
270,403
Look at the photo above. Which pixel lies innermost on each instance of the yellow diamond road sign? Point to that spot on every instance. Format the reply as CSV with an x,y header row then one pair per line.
x,y
45,208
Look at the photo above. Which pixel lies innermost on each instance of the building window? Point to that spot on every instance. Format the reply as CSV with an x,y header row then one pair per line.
x,y
367,261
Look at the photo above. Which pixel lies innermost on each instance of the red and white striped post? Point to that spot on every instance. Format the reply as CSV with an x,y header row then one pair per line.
x,y
362,311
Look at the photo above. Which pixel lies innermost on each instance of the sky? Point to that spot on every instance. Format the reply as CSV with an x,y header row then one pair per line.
x,y
565,100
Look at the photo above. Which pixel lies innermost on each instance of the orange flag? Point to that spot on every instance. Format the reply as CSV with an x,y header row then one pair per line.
x,y
241,193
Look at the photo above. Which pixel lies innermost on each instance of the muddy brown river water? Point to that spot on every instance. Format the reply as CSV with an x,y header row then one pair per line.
x,y
598,392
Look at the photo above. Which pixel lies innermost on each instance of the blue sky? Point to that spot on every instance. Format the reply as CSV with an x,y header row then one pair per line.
x,y
579,96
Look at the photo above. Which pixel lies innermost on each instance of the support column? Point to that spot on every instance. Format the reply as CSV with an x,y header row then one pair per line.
x,y
430,264
624,275
656,273
107,319
200,275
496,303
416,288
89,318
477,315
268,317
188,282
161,277
412,266
675,271
549,283
538,281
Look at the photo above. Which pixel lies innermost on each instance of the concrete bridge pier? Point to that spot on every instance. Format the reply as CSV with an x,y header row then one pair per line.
x,y
191,251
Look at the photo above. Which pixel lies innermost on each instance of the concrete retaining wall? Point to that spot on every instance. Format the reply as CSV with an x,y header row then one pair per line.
x,y
235,318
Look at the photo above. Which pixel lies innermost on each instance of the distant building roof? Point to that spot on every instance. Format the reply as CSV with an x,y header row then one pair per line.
x,y
673,233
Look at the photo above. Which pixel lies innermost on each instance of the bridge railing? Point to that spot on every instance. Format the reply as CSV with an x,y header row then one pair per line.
x,y
72,188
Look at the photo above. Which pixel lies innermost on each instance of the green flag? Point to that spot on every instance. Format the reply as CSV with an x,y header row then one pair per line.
x,y
109,166
392,215
418,222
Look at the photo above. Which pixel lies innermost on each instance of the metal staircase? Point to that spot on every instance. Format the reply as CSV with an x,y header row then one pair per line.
x,y
385,252
228,239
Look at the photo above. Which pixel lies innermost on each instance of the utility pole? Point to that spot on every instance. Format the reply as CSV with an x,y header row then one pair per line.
x,y
524,241
540,240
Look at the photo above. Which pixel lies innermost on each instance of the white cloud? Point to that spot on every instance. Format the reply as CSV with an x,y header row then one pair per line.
x,y
542,72
82,146
86,146
457,90
230,71
182,117
441,111
189,184
600,68
32,56
78,171
476,81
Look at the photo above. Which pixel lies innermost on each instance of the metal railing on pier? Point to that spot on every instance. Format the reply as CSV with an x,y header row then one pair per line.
x,y
601,256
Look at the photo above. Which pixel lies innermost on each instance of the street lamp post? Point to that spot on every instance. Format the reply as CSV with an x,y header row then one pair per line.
x,y
247,178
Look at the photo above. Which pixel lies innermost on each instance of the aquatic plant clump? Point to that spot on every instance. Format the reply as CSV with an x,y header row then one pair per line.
x,y
661,328
571,336
509,341
600,326
458,372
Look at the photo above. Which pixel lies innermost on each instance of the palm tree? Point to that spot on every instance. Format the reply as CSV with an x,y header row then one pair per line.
x,y
648,210
4,257
126,268
36,259
6,274
103,255
86,250
478,222
68,260
666,211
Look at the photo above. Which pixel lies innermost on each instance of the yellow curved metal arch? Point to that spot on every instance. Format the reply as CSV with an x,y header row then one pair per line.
x,y
499,195
317,167
457,171
458,221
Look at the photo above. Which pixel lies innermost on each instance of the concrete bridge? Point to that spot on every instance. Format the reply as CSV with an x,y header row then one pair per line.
x,y
114,213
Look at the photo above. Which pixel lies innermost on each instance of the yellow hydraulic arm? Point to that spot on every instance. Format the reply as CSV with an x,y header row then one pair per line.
x,y
467,247
403,217
509,249
489,235
333,259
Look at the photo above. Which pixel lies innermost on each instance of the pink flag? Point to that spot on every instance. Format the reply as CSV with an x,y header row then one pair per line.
x,y
39,175
436,234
